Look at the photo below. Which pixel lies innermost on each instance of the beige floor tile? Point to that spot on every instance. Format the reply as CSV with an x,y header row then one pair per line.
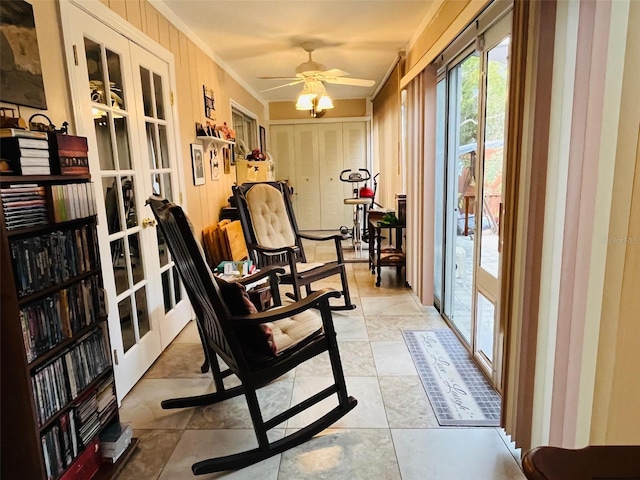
x,y
356,359
350,328
189,334
154,449
454,454
406,403
234,413
369,413
390,327
392,358
341,454
391,305
179,360
141,407
198,445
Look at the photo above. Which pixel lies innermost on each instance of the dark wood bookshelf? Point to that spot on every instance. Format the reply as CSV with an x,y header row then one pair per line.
x,y
49,227
22,437
54,288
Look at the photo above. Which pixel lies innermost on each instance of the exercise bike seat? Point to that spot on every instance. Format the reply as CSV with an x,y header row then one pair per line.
x,y
358,201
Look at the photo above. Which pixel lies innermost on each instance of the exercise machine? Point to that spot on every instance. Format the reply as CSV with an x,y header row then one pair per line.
x,y
361,200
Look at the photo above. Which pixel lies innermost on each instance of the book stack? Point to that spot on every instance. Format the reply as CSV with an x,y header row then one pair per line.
x,y
59,447
49,321
85,418
54,257
24,152
85,362
114,440
74,200
106,400
24,206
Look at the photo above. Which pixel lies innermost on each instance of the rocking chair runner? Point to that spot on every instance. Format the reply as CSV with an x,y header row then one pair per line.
x,y
272,237
228,337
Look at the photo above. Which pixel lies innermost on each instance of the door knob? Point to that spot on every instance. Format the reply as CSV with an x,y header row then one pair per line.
x,y
148,222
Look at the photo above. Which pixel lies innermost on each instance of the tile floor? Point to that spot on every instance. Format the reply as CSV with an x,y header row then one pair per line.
x,y
391,434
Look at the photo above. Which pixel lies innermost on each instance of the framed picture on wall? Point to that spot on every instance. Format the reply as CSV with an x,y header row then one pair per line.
x,y
214,163
263,139
21,80
197,161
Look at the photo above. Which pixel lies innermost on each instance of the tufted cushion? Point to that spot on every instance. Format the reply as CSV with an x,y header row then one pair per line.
x,y
288,332
269,217
267,339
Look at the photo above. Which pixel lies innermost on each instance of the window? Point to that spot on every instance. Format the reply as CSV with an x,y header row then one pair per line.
x,y
246,128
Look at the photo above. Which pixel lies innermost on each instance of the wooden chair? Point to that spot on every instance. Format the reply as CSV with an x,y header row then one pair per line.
x,y
256,347
597,462
272,237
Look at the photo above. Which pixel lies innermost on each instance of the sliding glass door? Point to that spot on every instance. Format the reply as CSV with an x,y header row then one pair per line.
x,y
470,128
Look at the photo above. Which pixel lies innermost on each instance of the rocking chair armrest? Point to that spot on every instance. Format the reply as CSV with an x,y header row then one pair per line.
x,y
268,271
312,301
292,250
337,238
320,239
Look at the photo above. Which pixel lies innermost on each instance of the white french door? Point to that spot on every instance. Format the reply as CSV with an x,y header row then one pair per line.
x,y
122,105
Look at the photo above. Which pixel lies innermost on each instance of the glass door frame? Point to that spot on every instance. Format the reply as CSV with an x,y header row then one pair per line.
x,y
492,369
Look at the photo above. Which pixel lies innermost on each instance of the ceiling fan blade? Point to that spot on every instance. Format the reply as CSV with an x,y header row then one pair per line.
x,y
282,86
278,78
355,82
334,72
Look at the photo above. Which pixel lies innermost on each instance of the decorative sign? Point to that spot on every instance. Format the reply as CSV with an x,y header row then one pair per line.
x,y
209,103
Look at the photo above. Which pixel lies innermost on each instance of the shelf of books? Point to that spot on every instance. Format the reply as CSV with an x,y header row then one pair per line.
x,y
58,390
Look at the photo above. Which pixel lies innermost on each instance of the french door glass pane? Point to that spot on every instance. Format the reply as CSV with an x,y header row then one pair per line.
x,y
151,145
177,289
135,253
166,290
122,142
103,137
115,80
147,99
126,324
95,70
142,313
112,203
128,196
157,86
167,191
120,267
164,148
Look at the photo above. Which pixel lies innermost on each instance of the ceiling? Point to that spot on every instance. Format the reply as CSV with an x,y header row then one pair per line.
x,y
264,37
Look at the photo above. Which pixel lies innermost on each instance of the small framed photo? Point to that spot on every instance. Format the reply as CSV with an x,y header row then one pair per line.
x,y
197,161
214,163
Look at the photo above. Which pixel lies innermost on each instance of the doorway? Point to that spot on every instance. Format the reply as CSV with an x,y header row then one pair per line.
x,y
471,121
122,104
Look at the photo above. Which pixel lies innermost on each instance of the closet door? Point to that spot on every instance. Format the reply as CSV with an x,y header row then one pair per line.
x,y
355,147
282,141
330,154
306,188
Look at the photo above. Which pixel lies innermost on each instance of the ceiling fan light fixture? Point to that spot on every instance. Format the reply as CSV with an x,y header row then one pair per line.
x,y
324,103
305,101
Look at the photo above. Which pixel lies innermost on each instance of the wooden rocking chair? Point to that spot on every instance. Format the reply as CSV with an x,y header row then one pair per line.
x,y
256,347
272,237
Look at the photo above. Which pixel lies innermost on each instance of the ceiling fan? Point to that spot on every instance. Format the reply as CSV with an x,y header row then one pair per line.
x,y
313,72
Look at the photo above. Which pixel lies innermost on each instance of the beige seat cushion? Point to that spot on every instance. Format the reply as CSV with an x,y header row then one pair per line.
x,y
269,217
290,331
302,267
